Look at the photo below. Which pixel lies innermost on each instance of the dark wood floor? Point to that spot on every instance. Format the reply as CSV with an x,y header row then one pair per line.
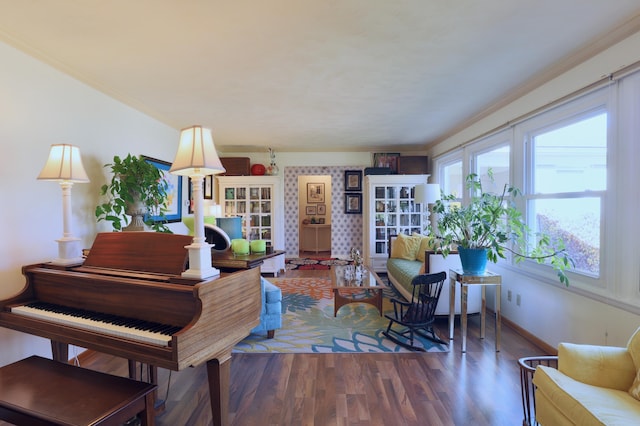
x,y
481,387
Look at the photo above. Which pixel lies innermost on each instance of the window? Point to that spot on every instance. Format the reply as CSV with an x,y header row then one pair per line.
x,y
496,160
568,180
577,167
452,178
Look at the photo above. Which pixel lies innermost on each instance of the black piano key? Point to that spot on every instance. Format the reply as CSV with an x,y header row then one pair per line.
x,y
137,324
157,327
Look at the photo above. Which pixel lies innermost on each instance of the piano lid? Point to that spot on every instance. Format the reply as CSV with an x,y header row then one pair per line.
x,y
140,251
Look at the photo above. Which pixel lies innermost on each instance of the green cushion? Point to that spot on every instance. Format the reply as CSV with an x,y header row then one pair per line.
x,y
188,222
404,271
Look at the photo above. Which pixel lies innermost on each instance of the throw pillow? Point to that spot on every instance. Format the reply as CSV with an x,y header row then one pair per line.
x,y
633,346
405,247
424,246
634,390
188,222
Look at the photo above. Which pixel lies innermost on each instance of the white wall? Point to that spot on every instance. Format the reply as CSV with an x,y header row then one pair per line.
x,y
40,106
548,310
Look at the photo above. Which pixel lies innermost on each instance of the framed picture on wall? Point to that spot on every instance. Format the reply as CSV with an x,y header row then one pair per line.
x,y
315,193
385,159
311,210
353,203
322,209
174,190
353,180
208,187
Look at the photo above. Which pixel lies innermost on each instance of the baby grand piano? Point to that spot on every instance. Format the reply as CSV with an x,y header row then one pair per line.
x,y
128,299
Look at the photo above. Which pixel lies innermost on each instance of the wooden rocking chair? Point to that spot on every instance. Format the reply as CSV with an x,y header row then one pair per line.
x,y
418,315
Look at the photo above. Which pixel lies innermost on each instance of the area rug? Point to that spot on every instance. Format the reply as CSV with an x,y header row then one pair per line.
x,y
308,324
317,263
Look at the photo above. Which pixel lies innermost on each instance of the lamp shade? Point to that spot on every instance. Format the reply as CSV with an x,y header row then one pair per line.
x,y
64,164
196,154
427,193
432,193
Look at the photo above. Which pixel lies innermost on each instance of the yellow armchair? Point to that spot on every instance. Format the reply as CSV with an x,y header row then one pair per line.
x,y
593,385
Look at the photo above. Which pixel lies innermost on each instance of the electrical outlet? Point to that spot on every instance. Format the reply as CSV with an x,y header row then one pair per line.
x,y
518,299
508,295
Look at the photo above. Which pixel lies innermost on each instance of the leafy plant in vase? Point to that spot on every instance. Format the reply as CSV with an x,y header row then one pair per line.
x,y
137,189
489,227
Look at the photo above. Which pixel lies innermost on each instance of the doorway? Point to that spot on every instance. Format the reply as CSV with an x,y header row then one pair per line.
x,y
314,215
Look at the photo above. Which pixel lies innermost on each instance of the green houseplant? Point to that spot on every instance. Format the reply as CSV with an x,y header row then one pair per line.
x,y
493,224
137,189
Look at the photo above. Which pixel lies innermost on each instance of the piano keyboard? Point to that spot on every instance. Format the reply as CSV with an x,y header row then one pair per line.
x,y
139,330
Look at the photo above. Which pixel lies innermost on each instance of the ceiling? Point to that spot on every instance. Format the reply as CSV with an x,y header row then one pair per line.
x,y
303,75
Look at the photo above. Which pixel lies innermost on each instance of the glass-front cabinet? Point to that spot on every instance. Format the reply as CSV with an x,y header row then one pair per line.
x,y
257,199
390,209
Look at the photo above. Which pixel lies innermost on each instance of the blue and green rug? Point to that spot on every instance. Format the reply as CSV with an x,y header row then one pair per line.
x,y
308,324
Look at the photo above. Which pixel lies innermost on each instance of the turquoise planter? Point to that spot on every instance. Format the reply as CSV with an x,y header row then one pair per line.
x,y
474,261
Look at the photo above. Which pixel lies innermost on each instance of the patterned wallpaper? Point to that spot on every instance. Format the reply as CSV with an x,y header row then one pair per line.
x,y
346,229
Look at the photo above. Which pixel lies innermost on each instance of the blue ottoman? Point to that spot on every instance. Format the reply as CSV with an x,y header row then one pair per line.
x,y
271,312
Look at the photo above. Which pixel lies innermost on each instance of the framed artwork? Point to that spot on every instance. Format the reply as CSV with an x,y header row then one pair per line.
x,y
208,187
204,192
311,210
174,191
384,159
353,203
353,180
190,199
315,193
322,209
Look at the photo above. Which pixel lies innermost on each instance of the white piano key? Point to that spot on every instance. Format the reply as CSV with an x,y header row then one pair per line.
x,y
157,339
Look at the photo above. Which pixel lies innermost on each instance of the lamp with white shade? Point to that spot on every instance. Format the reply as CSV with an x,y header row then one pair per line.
x,y
197,158
425,194
64,165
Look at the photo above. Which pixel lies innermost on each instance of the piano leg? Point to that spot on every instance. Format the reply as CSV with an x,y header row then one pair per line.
x,y
152,377
60,351
219,374
133,370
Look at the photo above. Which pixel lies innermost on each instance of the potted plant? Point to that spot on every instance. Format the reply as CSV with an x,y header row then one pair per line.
x,y
137,189
489,227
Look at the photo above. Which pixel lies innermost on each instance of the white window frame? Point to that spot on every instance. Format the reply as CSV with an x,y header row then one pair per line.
x,y
623,246
488,144
559,117
446,160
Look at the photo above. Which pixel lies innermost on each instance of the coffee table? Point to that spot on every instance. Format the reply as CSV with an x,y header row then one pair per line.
x,y
227,261
348,289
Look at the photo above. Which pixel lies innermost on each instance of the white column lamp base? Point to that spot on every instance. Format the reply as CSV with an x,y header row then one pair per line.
x,y
69,252
200,262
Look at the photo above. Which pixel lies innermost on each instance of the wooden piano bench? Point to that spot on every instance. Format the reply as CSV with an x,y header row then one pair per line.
x,y
39,391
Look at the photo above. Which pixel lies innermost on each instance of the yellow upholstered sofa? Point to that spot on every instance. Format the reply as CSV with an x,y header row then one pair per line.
x,y
593,385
